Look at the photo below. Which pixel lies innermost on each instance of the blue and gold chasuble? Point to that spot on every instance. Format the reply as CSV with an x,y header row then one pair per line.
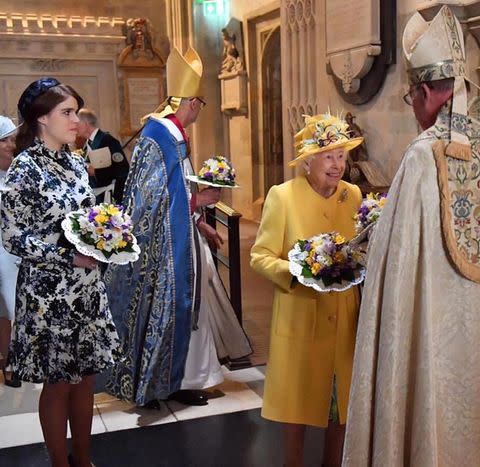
x,y
151,299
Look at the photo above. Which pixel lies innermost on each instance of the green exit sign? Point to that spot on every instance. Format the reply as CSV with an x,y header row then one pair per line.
x,y
211,7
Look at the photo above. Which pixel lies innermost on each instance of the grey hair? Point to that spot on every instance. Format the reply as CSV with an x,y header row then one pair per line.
x,y
89,116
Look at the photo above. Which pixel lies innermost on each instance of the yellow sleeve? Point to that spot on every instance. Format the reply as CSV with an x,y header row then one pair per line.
x,y
266,255
358,196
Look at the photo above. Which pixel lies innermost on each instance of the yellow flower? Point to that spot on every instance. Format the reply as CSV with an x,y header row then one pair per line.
x,y
101,218
309,260
100,244
316,268
112,210
382,202
121,244
338,257
339,239
99,230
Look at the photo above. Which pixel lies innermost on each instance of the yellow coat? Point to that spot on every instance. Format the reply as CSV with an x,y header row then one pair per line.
x,y
313,334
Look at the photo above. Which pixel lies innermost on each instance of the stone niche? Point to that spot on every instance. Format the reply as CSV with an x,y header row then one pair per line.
x,y
233,76
80,51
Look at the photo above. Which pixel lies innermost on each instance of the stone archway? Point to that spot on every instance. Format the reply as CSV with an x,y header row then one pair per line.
x,y
272,111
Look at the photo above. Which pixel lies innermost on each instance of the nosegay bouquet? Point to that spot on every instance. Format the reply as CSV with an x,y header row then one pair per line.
x,y
216,171
369,211
326,263
103,232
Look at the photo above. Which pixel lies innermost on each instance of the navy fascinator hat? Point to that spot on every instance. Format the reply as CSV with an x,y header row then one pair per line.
x,y
35,89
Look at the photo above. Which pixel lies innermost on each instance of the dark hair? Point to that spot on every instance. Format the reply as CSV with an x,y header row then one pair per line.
x,y
40,105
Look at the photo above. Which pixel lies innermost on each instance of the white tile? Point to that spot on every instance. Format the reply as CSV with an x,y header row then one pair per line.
x,y
97,424
244,376
25,428
238,397
20,429
257,387
15,401
120,415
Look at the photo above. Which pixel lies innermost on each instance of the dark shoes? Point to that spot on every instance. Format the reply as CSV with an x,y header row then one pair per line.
x,y
154,405
11,380
184,396
189,397
72,464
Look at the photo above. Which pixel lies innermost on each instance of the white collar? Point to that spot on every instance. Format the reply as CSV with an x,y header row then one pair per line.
x,y
172,128
93,134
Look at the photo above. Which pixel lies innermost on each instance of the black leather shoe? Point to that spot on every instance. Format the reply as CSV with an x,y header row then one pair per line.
x,y
154,405
189,397
13,381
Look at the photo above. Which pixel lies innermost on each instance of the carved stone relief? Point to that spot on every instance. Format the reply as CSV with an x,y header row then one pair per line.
x,y
143,72
51,65
300,82
360,39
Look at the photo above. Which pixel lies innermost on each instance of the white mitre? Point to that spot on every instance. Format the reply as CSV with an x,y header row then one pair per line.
x,y
436,51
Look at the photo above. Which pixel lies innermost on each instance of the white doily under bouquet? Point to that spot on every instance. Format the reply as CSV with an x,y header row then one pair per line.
x,y
367,216
217,172
326,263
103,232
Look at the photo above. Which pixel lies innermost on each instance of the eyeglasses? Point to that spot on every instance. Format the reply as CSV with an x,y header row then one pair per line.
x,y
408,98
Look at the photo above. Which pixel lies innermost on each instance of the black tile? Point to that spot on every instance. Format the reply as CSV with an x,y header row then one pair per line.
x,y
241,439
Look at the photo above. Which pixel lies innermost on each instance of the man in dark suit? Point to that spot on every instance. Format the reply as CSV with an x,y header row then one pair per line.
x,y
90,137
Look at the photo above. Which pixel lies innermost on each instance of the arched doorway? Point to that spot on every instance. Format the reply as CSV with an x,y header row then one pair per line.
x,y
272,111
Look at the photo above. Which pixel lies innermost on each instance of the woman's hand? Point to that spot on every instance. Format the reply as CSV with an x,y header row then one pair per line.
x,y
82,261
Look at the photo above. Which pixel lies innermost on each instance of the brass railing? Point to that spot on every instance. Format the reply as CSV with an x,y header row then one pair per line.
x,y
230,219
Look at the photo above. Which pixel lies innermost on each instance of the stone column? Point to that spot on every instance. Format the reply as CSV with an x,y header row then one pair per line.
x,y
303,52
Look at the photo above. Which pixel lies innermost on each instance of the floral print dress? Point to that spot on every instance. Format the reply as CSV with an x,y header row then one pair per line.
x,y
63,329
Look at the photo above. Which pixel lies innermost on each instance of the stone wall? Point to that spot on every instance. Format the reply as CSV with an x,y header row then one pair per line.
x,y
82,53
388,122
152,9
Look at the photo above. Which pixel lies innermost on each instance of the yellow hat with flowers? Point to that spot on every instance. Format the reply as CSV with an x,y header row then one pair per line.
x,y
321,133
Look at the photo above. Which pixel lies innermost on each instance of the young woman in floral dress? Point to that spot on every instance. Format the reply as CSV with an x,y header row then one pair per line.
x,y
63,333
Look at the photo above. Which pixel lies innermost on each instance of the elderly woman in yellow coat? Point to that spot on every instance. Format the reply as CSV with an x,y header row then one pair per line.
x,y
313,334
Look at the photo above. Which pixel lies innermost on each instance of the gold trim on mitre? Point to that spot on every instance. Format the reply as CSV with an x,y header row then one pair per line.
x,y
436,51
184,74
322,133
167,107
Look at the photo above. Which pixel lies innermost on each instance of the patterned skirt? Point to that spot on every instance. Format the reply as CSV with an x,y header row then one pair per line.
x,y
63,329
